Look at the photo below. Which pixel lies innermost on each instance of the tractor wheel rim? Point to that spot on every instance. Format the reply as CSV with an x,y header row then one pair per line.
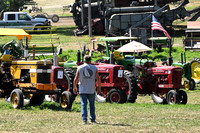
x,y
64,102
115,97
186,85
15,100
172,98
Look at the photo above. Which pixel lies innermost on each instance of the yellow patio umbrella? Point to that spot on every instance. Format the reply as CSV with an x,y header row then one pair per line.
x,y
19,33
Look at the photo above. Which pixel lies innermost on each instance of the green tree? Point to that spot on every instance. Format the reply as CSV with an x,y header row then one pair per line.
x,y
11,5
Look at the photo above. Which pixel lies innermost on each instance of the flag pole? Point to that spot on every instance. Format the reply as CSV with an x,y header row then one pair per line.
x,y
152,37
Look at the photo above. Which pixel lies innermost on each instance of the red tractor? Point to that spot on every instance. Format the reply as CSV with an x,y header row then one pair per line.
x,y
163,83
113,84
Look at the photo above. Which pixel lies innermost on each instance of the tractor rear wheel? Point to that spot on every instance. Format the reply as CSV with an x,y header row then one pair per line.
x,y
69,75
16,99
172,97
183,97
130,86
195,68
66,100
115,96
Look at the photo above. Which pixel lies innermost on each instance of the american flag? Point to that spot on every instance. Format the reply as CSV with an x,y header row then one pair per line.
x,y
155,25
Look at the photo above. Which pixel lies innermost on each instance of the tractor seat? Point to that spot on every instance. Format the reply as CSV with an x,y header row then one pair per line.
x,y
118,56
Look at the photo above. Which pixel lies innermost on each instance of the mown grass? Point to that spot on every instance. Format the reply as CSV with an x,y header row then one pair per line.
x,y
142,116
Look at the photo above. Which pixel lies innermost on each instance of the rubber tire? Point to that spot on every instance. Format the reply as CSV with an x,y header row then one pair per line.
x,y
183,98
66,100
55,18
192,84
132,83
37,99
69,74
192,64
115,94
17,94
172,94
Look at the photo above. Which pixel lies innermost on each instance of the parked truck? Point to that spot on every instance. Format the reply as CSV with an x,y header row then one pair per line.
x,y
23,21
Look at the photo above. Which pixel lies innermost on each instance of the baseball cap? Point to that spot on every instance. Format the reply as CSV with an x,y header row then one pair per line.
x,y
87,58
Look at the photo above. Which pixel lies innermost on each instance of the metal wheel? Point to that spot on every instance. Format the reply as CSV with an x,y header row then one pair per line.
x,y
183,97
55,18
172,97
66,100
16,99
115,96
186,84
195,69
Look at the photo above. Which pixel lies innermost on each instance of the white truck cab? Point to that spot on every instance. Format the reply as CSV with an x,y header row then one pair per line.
x,y
22,20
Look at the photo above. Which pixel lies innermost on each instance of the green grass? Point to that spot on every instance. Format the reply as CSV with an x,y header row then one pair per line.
x,y
142,116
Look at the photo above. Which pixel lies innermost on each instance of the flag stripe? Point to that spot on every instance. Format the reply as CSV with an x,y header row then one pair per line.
x,y
155,25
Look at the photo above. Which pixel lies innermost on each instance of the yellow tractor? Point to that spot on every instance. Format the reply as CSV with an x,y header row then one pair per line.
x,y
30,80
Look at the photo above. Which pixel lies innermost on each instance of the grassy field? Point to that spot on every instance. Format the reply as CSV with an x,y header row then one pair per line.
x,y
142,116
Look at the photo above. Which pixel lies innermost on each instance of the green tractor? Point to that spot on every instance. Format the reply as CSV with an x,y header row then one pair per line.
x,y
113,43
189,74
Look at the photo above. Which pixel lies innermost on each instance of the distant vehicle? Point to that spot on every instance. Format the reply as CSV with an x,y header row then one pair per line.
x,y
22,20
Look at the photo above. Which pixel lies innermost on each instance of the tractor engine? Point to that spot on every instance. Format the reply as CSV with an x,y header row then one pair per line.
x,y
160,79
111,76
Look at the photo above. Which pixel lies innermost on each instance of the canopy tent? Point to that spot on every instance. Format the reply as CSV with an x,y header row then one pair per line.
x,y
19,33
133,47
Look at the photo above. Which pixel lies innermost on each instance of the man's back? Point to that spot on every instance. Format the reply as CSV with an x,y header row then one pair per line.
x,y
87,73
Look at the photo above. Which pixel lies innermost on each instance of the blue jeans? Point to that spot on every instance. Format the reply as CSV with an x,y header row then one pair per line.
x,y
91,99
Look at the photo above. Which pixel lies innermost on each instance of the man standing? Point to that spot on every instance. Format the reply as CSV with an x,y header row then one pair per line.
x,y
87,75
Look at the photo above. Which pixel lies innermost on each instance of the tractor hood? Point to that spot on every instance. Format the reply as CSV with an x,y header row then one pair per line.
x,y
164,69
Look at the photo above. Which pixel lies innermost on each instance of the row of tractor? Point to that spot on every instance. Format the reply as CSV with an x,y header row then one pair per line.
x,y
35,80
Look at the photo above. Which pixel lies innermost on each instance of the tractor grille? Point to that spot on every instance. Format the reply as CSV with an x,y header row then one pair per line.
x,y
44,78
176,77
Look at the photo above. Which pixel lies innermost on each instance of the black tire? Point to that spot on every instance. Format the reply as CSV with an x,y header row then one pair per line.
x,y
37,99
115,96
16,99
192,84
131,86
172,97
69,75
195,65
66,100
158,100
183,98
38,29
55,18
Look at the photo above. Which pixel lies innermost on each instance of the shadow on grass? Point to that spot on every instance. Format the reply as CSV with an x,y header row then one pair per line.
x,y
106,123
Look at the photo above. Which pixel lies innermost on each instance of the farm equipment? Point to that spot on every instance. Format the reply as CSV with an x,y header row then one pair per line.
x,y
118,16
30,80
187,79
163,83
113,84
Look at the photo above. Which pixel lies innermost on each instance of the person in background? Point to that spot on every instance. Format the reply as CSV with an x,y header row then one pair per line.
x,y
6,50
87,75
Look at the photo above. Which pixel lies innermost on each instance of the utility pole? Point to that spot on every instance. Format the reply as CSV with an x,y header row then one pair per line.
x,y
89,18
82,12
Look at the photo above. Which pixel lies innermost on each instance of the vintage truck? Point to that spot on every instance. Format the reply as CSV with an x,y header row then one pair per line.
x,y
23,21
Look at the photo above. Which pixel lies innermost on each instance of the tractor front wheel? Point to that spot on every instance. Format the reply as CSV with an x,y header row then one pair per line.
x,y
115,96
66,100
16,99
172,97
183,97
